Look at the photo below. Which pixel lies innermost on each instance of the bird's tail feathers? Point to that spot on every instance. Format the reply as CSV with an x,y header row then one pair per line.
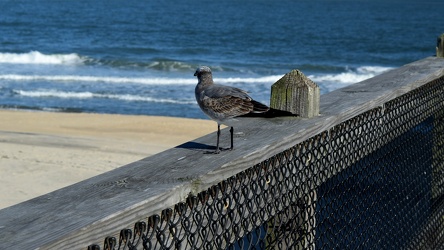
x,y
259,107
261,110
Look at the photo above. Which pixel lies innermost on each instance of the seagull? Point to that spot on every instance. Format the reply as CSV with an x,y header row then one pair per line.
x,y
224,104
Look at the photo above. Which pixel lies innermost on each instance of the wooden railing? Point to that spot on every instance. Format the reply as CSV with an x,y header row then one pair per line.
x,y
85,213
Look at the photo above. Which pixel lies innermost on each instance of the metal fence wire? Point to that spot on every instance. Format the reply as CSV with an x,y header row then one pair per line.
x,y
375,181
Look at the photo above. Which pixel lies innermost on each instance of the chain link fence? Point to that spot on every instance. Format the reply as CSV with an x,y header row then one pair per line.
x,y
375,181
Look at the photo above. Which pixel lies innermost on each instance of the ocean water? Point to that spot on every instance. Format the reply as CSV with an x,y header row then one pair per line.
x,y
138,57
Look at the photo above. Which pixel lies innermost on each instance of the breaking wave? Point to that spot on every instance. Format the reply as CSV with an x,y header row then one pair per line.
x,y
134,80
35,57
90,95
351,75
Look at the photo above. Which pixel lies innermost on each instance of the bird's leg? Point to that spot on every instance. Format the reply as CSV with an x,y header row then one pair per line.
x,y
231,133
217,143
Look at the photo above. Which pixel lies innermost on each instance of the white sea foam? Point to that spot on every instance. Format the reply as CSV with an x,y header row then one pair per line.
x,y
136,80
351,76
264,79
332,81
373,69
103,79
35,57
89,95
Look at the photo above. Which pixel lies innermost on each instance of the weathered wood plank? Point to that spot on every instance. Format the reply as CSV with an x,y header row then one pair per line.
x,y
440,46
86,212
296,93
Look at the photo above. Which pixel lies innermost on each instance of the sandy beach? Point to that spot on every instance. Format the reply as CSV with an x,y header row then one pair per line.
x,y
43,151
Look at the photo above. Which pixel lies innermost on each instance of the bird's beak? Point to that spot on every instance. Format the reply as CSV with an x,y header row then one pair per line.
x,y
195,73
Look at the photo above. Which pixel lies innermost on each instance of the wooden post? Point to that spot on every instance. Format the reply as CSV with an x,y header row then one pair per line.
x,y
295,93
440,46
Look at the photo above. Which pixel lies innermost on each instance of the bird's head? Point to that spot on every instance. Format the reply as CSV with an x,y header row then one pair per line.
x,y
202,70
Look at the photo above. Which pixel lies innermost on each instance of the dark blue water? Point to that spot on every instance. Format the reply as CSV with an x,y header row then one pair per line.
x,y
138,57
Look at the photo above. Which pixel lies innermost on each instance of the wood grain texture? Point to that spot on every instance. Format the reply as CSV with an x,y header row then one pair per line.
x,y
85,213
296,93
440,46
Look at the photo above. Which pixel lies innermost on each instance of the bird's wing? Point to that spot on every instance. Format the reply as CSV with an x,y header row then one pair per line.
x,y
229,105
220,91
226,99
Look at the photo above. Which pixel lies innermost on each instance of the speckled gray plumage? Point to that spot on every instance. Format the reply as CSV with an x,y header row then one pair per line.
x,y
223,103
